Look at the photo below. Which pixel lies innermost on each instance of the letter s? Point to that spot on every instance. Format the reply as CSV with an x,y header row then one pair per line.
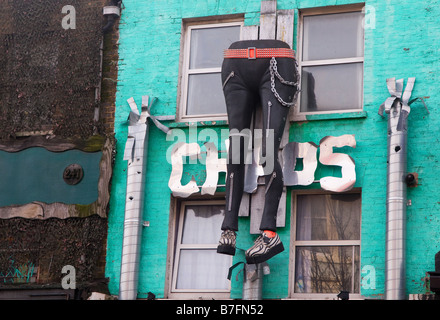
x,y
327,157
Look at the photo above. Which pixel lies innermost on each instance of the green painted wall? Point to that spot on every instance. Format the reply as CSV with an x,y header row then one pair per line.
x,y
404,43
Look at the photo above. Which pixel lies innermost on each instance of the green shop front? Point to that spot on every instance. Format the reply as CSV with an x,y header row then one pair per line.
x,y
366,107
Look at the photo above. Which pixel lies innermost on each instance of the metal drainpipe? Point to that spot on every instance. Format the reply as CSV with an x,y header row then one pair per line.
x,y
112,12
137,144
136,150
396,208
398,110
253,280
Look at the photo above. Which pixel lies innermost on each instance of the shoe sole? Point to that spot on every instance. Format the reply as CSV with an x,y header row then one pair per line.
x,y
226,249
264,257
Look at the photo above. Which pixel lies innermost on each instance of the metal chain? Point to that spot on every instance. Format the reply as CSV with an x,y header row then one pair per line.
x,y
274,72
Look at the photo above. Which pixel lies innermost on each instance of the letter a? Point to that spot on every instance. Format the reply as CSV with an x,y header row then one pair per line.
x,y
69,21
68,281
369,280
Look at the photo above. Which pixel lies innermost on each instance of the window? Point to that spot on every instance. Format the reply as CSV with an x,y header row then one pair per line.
x,y
326,244
202,95
331,61
198,268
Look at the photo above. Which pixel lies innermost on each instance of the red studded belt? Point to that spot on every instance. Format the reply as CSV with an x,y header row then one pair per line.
x,y
254,53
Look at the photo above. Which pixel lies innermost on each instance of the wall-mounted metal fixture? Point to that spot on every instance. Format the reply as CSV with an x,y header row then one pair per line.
x,y
112,13
73,174
110,10
412,179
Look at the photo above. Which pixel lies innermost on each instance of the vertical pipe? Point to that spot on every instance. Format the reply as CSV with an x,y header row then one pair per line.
x,y
253,282
136,151
396,205
133,211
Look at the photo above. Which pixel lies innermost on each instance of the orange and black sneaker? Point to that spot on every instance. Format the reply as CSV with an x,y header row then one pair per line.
x,y
264,248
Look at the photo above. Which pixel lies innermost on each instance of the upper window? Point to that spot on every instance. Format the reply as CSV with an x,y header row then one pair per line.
x,y
326,244
202,95
331,61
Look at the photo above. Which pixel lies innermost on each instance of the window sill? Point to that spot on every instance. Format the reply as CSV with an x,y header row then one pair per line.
x,y
295,118
329,116
185,124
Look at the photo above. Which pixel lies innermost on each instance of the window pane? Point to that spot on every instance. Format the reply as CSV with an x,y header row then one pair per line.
x,y
207,45
203,270
328,217
331,87
327,269
202,224
333,36
205,95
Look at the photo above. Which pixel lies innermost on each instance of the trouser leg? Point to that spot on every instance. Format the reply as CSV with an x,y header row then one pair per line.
x,y
239,103
273,177
274,119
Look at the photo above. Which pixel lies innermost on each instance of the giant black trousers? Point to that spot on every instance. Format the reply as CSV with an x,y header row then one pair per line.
x,y
246,84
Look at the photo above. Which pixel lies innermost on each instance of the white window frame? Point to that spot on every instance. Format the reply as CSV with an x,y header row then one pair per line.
x,y
298,115
186,72
318,243
175,293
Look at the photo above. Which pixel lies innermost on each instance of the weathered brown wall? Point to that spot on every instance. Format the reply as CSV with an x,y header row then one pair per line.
x,y
109,80
51,81
49,75
47,246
